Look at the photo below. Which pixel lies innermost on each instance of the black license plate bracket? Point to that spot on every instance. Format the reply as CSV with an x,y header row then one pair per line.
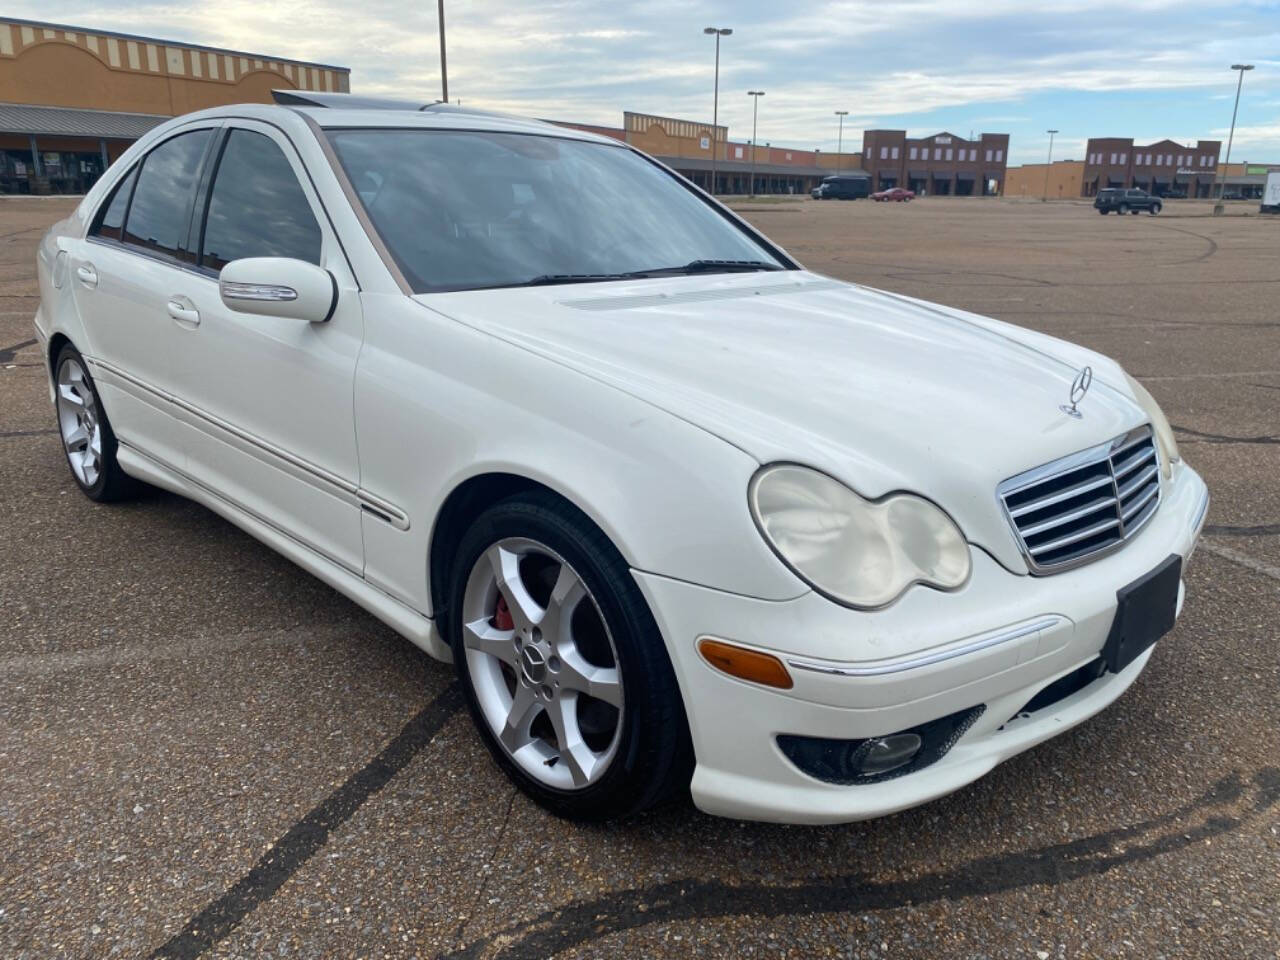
x,y
1145,612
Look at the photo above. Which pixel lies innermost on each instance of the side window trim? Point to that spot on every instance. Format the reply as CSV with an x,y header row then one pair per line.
x,y
204,196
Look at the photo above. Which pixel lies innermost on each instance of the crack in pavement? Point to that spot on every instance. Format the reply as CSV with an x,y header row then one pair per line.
x,y
581,921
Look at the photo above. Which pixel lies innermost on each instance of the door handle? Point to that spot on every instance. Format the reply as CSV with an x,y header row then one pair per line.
x,y
87,274
183,313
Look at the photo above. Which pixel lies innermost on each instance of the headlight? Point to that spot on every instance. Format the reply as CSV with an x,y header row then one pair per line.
x,y
858,552
1164,432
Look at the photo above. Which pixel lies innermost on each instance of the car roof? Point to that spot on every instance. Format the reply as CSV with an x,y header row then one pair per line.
x,y
338,111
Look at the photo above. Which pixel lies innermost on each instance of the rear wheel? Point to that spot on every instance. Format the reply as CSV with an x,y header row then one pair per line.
x,y
87,437
564,669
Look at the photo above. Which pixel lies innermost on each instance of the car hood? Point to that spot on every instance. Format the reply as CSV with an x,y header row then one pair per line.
x,y
881,391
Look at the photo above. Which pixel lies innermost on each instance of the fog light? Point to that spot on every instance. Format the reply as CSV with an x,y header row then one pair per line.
x,y
871,760
887,753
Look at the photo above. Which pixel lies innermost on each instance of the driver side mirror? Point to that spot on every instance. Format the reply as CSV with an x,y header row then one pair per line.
x,y
279,287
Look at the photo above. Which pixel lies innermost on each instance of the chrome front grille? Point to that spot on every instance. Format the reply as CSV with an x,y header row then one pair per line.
x,y
1084,505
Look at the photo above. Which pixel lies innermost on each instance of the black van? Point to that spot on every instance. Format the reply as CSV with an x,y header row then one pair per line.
x,y
842,187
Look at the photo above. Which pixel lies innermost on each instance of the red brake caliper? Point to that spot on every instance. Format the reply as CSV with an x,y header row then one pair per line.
x,y
502,615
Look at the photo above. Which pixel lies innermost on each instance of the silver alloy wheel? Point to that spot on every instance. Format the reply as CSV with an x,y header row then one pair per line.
x,y
79,422
542,663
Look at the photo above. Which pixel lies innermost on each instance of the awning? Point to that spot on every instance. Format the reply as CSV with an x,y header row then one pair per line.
x,y
917,175
1162,180
965,175
66,122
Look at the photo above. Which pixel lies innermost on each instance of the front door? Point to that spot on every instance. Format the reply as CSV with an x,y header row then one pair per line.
x,y
268,400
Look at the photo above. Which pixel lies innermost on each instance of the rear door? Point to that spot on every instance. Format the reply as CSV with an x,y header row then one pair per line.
x,y
268,400
137,250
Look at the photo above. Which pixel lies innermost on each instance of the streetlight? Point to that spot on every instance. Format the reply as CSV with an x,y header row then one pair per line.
x,y
840,139
444,73
755,96
718,32
1222,186
1048,165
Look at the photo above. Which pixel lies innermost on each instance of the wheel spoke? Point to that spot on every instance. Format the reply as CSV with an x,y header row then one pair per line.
x,y
524,709
483,636
77,440
69,394
566,594
577,674
574,753
525,611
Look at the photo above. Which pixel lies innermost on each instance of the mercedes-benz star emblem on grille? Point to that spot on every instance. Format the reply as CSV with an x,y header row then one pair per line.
x,y
1079,387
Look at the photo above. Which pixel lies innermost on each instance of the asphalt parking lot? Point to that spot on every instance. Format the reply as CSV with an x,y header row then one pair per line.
x,y
206,752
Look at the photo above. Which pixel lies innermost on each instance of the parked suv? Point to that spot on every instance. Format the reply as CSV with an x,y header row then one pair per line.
x,y
1126,201
842,188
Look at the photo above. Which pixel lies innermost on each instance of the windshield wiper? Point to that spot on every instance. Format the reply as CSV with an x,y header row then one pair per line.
x,y
693,266
716,266
548,279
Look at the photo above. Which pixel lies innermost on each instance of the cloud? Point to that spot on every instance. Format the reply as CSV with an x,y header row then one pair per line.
x,y
916,64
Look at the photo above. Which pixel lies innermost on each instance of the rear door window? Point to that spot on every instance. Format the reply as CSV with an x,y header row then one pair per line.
x,y
257,208
110,220
160,214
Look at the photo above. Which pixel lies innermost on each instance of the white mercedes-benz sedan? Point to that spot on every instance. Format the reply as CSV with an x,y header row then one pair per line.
x,y
684,515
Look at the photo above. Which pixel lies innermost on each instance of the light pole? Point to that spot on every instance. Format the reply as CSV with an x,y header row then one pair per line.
x,y
1048,165
840,139
444,73
1218,207
755,96
718,32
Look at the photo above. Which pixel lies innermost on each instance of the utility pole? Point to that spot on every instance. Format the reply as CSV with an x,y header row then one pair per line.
x,y
755,96
1047,166
1218,207
444,71
840,141
715,106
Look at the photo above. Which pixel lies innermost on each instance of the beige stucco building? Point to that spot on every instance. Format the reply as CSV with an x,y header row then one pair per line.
x,y
72,99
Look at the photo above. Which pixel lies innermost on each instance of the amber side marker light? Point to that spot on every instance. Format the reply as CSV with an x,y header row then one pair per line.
x,y
745,664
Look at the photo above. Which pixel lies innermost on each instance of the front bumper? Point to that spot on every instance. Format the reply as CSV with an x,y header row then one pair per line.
x,y
997,641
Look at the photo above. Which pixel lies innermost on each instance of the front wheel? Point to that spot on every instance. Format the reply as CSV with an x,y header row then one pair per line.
x,y
1155,208
563,666
87,438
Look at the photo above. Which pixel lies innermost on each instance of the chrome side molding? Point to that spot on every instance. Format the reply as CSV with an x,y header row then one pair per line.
x,y
928,658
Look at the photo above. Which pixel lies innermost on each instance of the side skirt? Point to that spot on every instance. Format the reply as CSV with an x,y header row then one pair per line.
x,y
413,626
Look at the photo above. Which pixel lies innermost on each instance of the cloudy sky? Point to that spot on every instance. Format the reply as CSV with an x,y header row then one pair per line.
x,y
1146,68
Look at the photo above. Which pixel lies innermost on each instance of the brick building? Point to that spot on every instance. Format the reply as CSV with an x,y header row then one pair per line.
x,y
1165,168
940,165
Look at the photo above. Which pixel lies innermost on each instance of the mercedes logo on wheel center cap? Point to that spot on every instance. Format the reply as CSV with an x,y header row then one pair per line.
x,y
533,664
1079,387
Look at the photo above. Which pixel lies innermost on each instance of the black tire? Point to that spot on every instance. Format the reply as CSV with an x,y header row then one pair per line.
x,y
1155,209
112,483
653,762
1104,212
1135,212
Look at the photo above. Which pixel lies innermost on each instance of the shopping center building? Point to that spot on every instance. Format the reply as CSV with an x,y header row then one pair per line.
x,y
72,100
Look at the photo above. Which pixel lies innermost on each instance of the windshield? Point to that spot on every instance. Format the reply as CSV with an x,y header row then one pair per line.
x,y
463,210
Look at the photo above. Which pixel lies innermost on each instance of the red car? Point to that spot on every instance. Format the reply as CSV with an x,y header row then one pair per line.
x,y
899,194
